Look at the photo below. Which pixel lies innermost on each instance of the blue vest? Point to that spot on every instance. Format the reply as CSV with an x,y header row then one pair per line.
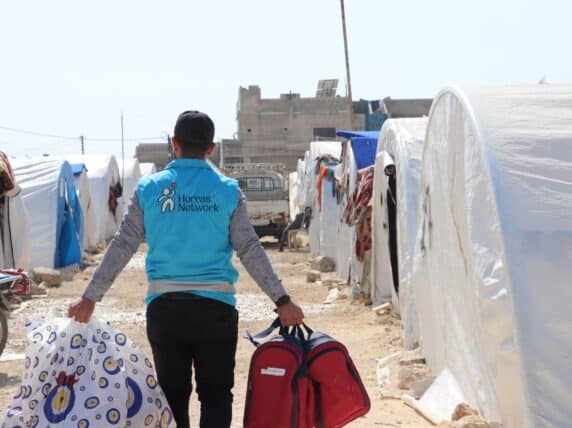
x,y
187,209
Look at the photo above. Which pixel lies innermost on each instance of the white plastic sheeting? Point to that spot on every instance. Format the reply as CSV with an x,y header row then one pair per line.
x,y
317,149
493,259
303,176
346,234
89,238
293,195
400,144
130,177
102,171
328,221
45,183
15,242
147,168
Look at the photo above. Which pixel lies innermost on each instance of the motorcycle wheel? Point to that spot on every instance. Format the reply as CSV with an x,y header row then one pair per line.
x,y
3,331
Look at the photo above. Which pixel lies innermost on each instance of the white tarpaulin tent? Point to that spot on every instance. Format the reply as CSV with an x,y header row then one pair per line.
x,y
317,149
328,220
89,232
147,168
399,150
293,195
15,235
54,211
130,177
304,198
344,234
103,174
493,260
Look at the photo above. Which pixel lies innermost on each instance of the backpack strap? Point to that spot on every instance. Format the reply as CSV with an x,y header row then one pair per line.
x,y
295,331
264,333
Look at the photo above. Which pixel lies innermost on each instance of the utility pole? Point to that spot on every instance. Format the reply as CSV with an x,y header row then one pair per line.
x,y
122,152
82,145
348,78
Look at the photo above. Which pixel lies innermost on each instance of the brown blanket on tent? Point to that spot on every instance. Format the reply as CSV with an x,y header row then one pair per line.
x,y
8,185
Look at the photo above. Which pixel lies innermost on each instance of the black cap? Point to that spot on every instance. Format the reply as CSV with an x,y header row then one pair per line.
x,y
194,127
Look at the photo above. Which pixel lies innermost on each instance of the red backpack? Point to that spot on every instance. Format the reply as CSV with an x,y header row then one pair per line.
x,y
340,395
302,381
279,393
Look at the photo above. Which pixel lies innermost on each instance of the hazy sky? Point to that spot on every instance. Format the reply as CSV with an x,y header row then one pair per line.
x,y
69,67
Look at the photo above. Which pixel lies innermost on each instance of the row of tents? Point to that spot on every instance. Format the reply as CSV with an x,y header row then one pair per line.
x,y
64,207
463,220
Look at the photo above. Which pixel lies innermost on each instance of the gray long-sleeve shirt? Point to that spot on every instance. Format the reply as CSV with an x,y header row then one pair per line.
x,y
132,232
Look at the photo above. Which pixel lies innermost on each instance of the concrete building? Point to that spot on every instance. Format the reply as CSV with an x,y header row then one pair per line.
x,y
157,153
400,108
279,130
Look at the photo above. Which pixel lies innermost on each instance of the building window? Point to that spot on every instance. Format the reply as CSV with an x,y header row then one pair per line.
x,y
323,133
256,183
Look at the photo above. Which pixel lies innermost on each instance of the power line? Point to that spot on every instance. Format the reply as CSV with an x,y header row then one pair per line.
x,y
101,140
65,137
37,134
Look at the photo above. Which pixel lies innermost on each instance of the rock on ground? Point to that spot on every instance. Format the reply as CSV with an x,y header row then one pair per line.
x,y
470,422
409,374
313,275
463,410
50,277
324,264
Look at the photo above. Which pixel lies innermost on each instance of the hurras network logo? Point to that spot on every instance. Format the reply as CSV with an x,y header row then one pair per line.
x,y
171,200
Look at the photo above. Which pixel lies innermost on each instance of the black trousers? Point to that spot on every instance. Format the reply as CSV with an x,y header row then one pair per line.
x,y
185,330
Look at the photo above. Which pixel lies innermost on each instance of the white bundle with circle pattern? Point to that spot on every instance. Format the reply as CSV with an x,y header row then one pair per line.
x,y
85,375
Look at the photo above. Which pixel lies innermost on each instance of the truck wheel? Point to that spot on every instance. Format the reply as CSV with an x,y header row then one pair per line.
x,y
3,331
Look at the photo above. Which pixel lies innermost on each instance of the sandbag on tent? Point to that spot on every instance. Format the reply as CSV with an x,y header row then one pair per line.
x,y
106,193
88,234
493,257
147,168
54,210
14,223
395,197
85,375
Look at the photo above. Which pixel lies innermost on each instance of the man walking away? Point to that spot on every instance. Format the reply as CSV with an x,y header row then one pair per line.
x,y
192,218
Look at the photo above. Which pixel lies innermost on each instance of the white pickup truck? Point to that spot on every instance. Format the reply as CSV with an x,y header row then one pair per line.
x,y
267,198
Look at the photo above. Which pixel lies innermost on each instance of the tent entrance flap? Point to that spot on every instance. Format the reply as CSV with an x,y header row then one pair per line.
x,y
68,250
392,226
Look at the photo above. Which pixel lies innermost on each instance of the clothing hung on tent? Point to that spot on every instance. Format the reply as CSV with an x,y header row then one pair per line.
x,y
359,209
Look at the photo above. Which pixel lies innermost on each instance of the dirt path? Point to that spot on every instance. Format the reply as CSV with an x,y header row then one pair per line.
x,y
352,324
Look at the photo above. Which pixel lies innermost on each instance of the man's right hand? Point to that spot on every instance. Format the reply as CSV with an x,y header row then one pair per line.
x,y
290,314
81,310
